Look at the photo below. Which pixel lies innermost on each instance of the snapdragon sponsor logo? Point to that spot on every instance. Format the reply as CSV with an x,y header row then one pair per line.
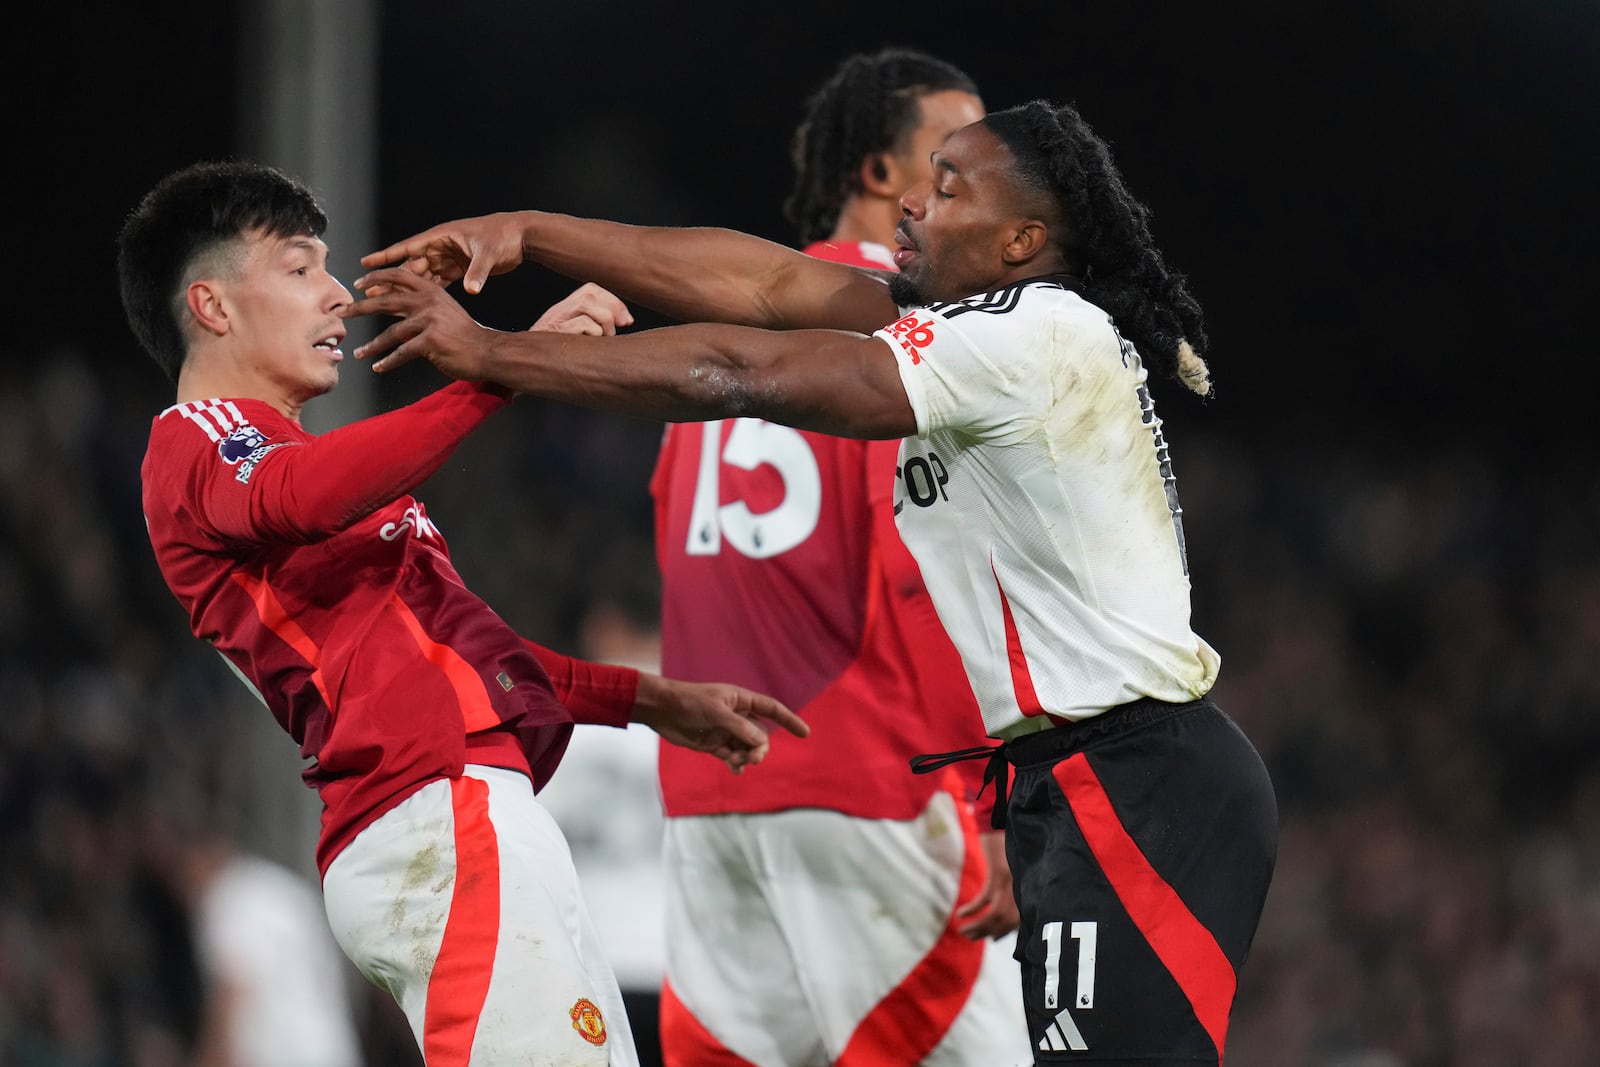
x,y
415,520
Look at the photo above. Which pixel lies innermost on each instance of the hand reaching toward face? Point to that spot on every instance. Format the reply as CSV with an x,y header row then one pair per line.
x,y
470,249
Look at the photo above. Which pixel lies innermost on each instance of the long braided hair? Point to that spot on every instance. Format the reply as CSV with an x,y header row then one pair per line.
x,y
870,104
1106,237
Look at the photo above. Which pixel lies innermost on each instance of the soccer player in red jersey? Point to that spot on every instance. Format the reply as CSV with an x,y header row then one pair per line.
x,y
427,721
1014,354
808,907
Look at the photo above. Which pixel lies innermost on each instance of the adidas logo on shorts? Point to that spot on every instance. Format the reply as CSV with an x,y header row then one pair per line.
x,y
1062,1035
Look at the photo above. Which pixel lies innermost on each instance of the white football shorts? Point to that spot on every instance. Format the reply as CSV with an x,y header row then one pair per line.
x,y
806,937
463,903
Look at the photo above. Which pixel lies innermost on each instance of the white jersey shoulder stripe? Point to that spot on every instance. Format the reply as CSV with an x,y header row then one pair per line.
x,y
1002,301
217,418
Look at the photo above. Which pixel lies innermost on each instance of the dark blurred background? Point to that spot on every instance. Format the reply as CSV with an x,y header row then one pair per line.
x,y
1387,210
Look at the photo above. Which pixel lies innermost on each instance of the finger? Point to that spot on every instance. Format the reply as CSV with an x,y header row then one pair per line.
x,y
398,358
982,929
767,708
733,758
477,270
580,324
392,348
409,249
390,303
392,336
389,279
744,731
975,929
976,906
604,305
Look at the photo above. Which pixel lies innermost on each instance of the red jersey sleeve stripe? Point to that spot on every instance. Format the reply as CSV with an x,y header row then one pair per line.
x,y
476,711
459,983
906,1024
1185,947
273,615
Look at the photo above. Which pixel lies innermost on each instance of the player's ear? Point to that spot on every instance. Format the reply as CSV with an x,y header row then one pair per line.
x,y
880,176
1026,242
205,304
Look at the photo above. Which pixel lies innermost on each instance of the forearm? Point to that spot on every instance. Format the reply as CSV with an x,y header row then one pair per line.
x,y
595,693
312,491
705,274
819,380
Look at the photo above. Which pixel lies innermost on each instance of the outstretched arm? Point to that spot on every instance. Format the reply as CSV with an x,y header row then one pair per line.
x,y
693,274
833,382
725,721
301,492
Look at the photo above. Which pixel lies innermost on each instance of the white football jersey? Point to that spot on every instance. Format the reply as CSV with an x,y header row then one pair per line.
x,y
1039,502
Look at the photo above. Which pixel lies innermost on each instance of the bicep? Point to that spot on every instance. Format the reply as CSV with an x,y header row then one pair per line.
x,y
808,293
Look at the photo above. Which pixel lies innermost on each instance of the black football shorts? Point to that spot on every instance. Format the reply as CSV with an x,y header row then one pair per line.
x,y
1142,843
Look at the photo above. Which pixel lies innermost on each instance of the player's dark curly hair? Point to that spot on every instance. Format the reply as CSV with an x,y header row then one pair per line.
x,y
188,214
870,104
1105,237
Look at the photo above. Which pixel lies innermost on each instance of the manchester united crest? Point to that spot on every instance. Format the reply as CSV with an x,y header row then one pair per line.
x,y
587,1020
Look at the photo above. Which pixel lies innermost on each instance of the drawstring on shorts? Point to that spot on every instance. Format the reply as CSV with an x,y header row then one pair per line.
x,y
995,772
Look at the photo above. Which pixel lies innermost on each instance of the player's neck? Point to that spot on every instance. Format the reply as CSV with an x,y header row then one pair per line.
x,y
869,219
207,379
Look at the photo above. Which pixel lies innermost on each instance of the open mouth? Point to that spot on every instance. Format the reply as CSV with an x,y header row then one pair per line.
x,y
908,247
330,345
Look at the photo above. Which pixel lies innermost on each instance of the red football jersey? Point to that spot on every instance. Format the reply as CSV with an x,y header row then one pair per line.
x,y
304,562
782,571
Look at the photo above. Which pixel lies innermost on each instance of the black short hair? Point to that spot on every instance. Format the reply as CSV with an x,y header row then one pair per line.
x,y
869,104
1106,239
188,213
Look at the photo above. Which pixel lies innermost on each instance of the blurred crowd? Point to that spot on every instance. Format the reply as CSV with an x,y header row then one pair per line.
x,y
1410,634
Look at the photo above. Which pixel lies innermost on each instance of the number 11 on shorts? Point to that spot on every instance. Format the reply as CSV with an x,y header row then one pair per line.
x,y
1064,1033
1084,934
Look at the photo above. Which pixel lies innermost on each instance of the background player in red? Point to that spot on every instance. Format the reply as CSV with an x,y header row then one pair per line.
x,y
1014,354
805,905
427,721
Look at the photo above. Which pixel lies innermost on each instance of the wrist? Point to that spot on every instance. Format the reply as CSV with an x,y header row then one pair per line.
x,y
528,225
648,699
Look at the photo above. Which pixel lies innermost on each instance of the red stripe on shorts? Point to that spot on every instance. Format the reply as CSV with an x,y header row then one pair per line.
x,y
685,1042
460,979
905,1025
1185,947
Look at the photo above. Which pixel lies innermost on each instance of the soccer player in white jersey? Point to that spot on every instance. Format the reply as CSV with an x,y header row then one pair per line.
x,y
1014,353
781,567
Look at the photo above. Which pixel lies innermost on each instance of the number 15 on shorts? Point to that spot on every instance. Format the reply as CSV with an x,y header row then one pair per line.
x,y
1063,1034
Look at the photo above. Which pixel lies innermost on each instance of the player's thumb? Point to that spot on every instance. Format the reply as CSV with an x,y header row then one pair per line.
x,y
477,270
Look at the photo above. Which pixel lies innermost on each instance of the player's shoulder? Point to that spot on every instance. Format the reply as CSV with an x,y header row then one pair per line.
x,y
1048,294
229,424
233,433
